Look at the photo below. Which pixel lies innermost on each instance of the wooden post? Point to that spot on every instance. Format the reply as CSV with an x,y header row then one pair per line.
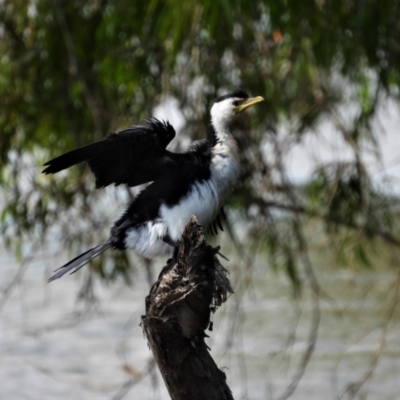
x,y
178,313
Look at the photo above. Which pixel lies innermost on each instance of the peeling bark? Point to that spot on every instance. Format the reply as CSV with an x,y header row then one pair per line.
x,y
178,313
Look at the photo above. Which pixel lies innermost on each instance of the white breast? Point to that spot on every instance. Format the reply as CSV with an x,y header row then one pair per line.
x,y
202,201
224,166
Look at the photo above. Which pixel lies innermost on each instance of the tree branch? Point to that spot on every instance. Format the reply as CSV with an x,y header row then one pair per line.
x,y
386,236
74,69
177,314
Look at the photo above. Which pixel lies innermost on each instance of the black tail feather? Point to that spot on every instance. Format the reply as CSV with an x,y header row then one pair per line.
x,y
80,261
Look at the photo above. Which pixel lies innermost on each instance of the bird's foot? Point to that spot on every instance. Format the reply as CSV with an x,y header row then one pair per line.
x,y
176,248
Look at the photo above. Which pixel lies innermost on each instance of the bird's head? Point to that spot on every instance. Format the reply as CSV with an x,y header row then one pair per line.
x,y
225,108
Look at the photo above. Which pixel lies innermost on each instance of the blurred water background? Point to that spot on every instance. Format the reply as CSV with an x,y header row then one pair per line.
x,y
55,346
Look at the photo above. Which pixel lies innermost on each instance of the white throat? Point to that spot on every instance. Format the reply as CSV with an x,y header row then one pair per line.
x,y
222,115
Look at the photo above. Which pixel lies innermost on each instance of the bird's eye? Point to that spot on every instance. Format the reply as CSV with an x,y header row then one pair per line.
x,y
237,102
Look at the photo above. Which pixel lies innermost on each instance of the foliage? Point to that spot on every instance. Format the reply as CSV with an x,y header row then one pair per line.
x,y
71,71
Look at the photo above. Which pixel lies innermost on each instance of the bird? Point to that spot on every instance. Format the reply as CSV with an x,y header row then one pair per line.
x,y
196,182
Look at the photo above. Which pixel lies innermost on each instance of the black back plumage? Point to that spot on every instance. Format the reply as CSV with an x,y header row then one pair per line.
x,y
132,157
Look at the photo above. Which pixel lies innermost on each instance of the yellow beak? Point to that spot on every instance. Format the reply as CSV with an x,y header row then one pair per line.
x,y
248,103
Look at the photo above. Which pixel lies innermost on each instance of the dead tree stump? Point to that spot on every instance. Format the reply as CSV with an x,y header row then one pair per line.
x,y
178,313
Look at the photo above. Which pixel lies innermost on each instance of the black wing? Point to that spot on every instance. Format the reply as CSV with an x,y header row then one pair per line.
x,y
132,157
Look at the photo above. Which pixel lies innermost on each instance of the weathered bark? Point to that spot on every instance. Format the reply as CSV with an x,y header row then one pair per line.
x,y
177,314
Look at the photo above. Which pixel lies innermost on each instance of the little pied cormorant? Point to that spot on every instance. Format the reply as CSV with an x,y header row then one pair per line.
x,y
183,184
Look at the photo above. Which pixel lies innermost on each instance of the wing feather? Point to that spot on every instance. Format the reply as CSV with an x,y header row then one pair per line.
x,y
133,156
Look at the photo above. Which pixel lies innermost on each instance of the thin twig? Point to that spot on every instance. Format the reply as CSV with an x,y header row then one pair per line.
x,y
355,387
387,236
127,386
74,69
316,289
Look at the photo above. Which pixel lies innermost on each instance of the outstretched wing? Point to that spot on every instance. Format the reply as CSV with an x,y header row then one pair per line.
x,y
134,156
